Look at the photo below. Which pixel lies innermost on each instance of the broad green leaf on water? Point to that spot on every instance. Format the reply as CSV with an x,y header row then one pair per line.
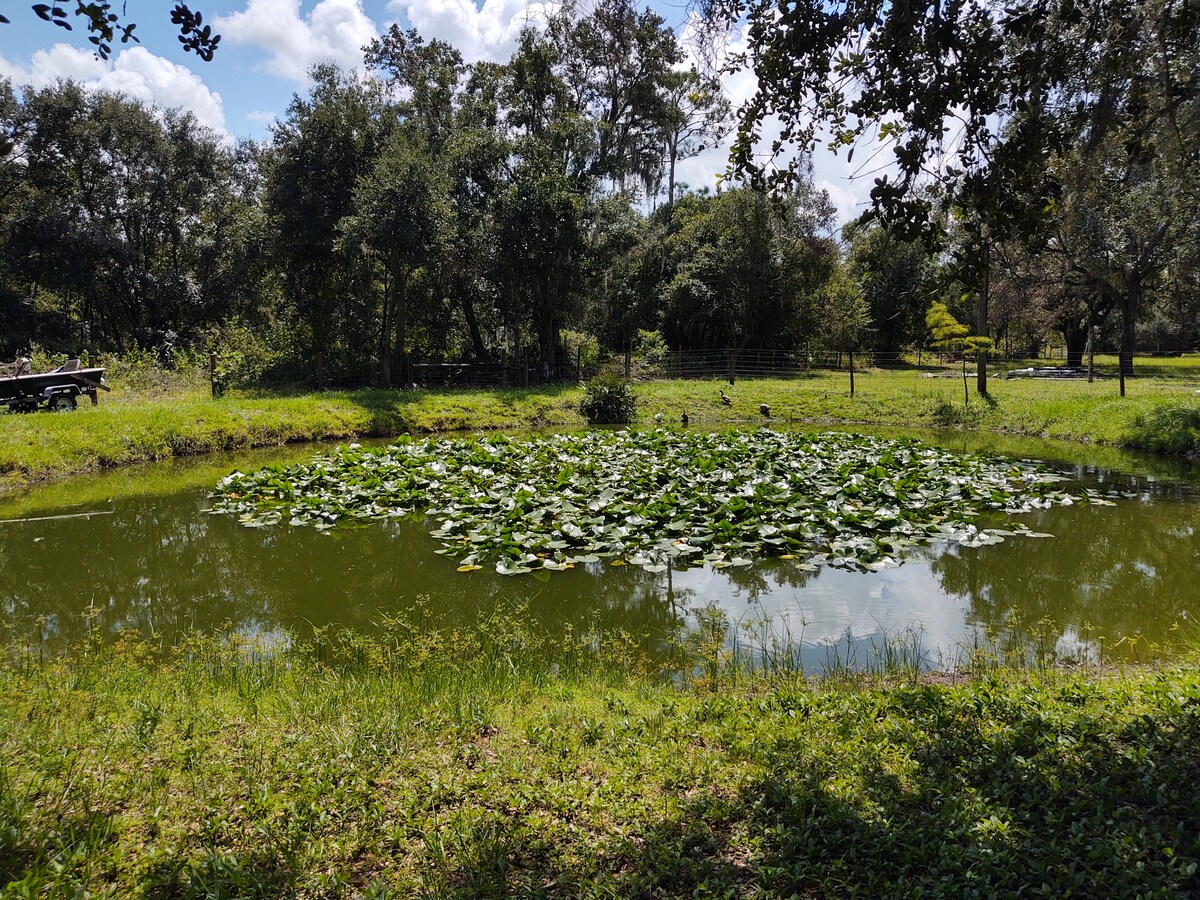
x,y
652,497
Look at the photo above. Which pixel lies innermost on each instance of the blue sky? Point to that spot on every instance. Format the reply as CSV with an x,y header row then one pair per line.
x,y
268,45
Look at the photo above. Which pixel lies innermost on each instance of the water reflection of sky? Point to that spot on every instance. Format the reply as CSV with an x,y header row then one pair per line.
x,y
161,565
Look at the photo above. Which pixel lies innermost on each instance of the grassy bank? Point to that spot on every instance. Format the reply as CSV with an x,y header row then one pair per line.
x,y
1160,414
486,762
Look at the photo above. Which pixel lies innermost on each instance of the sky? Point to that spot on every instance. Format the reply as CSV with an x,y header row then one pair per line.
x,y
268,46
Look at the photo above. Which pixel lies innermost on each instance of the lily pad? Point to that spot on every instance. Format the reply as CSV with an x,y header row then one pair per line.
x,y
657,498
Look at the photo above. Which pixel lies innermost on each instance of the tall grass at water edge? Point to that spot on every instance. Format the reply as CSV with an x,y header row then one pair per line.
x,y
489,761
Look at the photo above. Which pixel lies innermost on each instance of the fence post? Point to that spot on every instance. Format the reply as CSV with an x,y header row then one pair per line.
x,y
851,373
732,365
213,379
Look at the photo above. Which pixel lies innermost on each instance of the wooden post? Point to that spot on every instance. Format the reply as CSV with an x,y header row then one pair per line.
x,y
1091,350
981,319
851,373
732,365
629,360
212,374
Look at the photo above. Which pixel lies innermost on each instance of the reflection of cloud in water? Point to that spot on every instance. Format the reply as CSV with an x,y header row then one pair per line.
x,y
1070,647
159,564
834,602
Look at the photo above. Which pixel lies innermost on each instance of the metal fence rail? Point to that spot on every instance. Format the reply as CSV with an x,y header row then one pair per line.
x,y
732,364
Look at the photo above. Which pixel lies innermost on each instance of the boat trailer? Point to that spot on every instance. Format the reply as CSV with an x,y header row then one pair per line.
x,y
58,390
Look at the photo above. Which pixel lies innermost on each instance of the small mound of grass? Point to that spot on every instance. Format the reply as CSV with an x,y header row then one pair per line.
x,y
1172,428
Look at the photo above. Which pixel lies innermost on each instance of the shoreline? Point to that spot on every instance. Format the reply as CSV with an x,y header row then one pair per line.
x,y
1162,418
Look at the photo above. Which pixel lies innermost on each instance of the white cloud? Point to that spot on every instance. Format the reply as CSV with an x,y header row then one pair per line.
x,y
262,117
334,31
136,72
15,73
832,173
486,32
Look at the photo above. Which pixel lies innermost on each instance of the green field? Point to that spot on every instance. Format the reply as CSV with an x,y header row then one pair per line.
x,y
1160,414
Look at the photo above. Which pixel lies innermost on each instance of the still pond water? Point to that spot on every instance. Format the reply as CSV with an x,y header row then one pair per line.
x,y
1114,582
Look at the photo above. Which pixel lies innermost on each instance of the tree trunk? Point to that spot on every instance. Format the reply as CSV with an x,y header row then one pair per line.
x,y
546,324
672,154
981,320
401,314
477,345
1091,351
1128,327
385,339
1076,340
402,349
385,368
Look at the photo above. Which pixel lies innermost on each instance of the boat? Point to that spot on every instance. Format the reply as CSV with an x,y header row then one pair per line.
x,y
57,390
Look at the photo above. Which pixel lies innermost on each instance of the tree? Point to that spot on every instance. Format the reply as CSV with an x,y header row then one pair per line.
x,y
319,152
747,268
122,222
103,25
402,218
540,240
951,335
429,76
697,115
1128,213
845,315
976,97
896,278
616,62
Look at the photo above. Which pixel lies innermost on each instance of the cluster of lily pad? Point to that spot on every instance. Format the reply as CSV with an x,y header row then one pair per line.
x,y
659,497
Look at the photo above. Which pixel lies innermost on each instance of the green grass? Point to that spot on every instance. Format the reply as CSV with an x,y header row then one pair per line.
x,y
130,427
489,761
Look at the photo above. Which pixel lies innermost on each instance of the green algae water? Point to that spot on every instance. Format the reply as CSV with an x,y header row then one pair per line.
x,y
138,549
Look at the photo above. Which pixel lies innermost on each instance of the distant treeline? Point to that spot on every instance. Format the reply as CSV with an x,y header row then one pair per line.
x,y
443,211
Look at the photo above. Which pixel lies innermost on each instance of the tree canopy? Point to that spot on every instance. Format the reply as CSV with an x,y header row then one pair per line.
x,y
497,213
104,25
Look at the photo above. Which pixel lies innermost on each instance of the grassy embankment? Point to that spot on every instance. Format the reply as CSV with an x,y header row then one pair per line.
x,y
485,762
1160,414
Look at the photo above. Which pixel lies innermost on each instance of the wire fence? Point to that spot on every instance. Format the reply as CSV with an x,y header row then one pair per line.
x,y
733,364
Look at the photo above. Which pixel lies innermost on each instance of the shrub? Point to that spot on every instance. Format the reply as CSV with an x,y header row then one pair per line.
x,y
581,349
243,353
608,400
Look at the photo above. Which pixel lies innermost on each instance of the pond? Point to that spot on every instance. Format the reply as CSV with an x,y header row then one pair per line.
x,y
137,549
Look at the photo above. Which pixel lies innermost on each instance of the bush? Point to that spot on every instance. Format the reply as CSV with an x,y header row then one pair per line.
x,y
243,353
581,349
608,400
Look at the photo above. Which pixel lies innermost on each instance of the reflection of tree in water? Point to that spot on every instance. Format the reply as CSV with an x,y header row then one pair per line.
x,y
767,578
163,566
1125,569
